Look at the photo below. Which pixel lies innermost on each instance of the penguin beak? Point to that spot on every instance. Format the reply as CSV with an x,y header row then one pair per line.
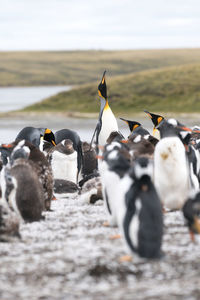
x,y
7,145
124,141
52,141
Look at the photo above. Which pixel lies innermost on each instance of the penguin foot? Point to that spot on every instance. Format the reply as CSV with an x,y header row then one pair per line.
x,y
106,224
115,237
125,258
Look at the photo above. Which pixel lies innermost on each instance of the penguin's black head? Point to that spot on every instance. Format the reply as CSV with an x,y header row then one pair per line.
x,y
156,119
131,124
118,160
49,136
19,152
142,169
191,211
102,89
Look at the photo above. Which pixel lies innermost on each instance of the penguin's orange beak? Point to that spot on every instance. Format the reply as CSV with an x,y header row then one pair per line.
x,y
7,145
124,141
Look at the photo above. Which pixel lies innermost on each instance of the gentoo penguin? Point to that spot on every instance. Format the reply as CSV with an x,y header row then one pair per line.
x,y
63,160
9,223
22,190
191,212
136,128
171,172
64,134
142,224
34,135
39,164
107,121
115,164
156,119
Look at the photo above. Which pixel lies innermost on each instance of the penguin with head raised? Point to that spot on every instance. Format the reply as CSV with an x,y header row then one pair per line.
x,y
157,120
142,222
136,128
107,122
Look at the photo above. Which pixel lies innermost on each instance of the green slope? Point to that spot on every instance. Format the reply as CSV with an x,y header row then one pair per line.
x,y
78,67
175,89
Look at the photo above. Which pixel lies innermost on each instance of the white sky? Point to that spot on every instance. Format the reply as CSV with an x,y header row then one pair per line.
x,y
98,24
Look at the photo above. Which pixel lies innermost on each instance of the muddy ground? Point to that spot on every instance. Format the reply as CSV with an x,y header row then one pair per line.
x,y
70,256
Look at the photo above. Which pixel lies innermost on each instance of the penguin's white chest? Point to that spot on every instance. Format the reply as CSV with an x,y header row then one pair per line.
x,y
109,124
64,166
171,174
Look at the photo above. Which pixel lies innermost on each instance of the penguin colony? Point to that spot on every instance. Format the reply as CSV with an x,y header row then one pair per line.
x,y
139,178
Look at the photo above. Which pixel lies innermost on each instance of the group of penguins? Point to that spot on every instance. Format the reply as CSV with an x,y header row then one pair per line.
x,y
139,178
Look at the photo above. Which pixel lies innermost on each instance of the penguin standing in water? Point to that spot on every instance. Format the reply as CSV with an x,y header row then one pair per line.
x,y
107,122
142,221
157,120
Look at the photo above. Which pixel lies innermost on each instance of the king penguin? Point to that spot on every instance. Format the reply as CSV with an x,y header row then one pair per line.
x,y
107,122
136,128
34,135
156,119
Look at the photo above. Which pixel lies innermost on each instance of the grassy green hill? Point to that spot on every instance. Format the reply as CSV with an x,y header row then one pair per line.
x,y
166,89
78,67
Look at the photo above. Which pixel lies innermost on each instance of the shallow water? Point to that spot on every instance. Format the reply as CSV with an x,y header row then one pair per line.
x,y
14,98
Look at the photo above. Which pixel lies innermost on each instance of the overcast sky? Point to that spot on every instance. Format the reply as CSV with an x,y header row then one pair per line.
x,y
102,24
